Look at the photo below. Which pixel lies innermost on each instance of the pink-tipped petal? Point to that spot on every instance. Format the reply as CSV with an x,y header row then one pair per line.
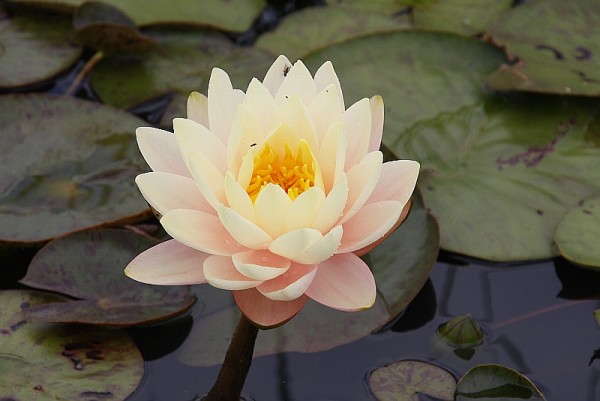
x,y
377,112
326,76
357,127
297,82
160,150
165,192
222,103
260,265
244,231
276,74
264,312
221,273
194,137
197,108
290,285
201,231
168,263
396,182
343,282
362,179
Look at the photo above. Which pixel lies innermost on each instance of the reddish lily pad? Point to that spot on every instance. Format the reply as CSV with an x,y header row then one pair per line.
x,y
34,48
401,265
496,382
89,267
40,361
68,163
405,380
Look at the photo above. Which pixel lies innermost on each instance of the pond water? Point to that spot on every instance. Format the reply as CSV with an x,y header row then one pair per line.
x,y
530,313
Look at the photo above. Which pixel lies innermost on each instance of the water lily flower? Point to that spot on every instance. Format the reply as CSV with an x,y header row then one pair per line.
x,y
273,193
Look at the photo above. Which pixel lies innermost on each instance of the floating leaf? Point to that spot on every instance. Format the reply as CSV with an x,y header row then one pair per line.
x,y
578,233
462,332
182,63
401,265
405,380
89,266
68,163
62,362
496,382
35,48
557,54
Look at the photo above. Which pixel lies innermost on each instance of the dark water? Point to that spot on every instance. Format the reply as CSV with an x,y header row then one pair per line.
x,y
532,318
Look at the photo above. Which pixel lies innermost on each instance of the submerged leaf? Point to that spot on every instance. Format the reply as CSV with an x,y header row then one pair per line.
x,y
462,332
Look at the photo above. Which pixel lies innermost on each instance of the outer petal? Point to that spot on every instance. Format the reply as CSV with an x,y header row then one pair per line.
x,y
209,180
290,285
221,273
160,150
244,231
264,312
297,82
343,282
197,108
276,74
260,265
201,231
396,182
165,192
377,112
168,263
194,137
362,179
222,103
326,76
371,223
357,127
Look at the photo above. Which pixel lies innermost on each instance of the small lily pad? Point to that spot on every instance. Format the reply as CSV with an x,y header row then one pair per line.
x,y
578,234
40,361
462,332
89,266
496,383
68,163
34,48
405,380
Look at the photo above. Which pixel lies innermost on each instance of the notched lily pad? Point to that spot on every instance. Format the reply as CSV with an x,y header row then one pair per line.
x,y
62,362
405,380
68,164
496,382
89,267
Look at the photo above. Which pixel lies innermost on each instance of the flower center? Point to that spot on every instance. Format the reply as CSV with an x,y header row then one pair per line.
x,y
292,171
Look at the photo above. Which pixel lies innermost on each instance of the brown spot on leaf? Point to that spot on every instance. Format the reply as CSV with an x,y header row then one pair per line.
x,y
557,54
583,53
540,212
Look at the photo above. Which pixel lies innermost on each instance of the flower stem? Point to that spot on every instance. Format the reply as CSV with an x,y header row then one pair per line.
x,y
236,365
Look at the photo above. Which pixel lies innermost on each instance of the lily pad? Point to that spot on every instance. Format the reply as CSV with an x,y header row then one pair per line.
x,y
41,361
557,54
35,48
401,265
496,383
405,380
181,63
461,332
578,233
89,267
68,163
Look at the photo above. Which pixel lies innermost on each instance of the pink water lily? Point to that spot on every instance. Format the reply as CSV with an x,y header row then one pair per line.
x,y
272,193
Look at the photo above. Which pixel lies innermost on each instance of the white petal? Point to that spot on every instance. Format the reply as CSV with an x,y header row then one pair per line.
x,y
244,231
194,137
357,128
304,209
332,155
221,273
326,76
297,82
362,179
261,104
222,103
209,180
160,150
396,182
260,265
290,285
324,110
271,207
377,114
246,132
293,243
238,198
197,108
276,74
294,114
333,207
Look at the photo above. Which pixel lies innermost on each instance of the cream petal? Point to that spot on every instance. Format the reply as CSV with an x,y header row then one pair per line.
x,y
322,249
293,113
194,137
304,209
377,114
160,150
246,132
326,76
357,128
168,263
221,273
369,224
271,207
297,82
396,182
261,104
265,313
324,110
165,191
276,74
238,198
332,155
247,168
333,207
222,103
209,180
362,179
290,285
201,231
291,244
260,265
343,282
197,108
244,231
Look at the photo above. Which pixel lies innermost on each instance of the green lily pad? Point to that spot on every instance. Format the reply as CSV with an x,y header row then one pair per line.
x,y
405,380
89,267
496,383
578,233
181,63
314,28
401,265
461,332
68,163
35,48
229,15
557,54
466,17
41,361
